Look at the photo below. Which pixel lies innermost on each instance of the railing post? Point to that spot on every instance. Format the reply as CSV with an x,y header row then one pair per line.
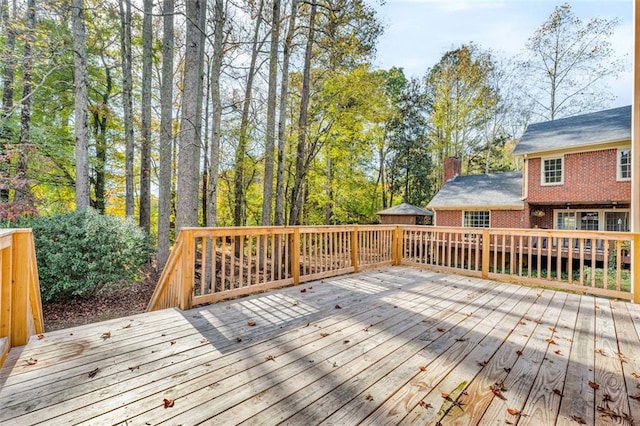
x,y
20,308
635,268
295,256
396,244
486,251
354,248
188,266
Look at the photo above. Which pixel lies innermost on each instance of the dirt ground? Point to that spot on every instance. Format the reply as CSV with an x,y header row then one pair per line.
x,y
120,303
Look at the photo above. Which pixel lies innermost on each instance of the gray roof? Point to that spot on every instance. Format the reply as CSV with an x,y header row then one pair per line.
x,y
405,209
489,190
611,125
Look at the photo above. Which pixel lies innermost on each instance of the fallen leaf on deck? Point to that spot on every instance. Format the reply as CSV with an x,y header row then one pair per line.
x,y
238,339
345,342
425,405
636,396
422,368
539,295
636,375
578,420
594,385
270,358
557,351
304,290
461,339
93,373
441,330
445,395
335,365
251,323
40,336
513,411
601,352
519,352
507,369
106,335
295,303
127,326
551,342
134,368
558,392
368,397
553,329
324,334
173,342
32,361
168,403
482,363
338,307
497,392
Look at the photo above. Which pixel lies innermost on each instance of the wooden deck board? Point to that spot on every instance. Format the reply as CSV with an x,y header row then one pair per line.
x,y
379,347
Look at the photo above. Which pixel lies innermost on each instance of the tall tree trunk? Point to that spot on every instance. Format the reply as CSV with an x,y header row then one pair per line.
x,y
8,77
166,134
282,115
202,27
189,140
267,189
301,151
127,102
100,121
81,103
145,148
243,139
216,70
22,189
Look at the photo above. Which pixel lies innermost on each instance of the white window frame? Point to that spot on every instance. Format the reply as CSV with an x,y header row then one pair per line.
x,y
619,164
488,212
542,174
602,216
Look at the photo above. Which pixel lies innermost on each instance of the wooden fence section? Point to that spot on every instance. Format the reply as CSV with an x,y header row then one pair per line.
x,y
591,262
210,264
20,304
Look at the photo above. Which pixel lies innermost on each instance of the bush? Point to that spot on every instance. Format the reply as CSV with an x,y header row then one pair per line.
x,y
85,253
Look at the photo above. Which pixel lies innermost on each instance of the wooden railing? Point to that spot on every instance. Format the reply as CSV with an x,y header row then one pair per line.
x,y
20,304
590,262
211,264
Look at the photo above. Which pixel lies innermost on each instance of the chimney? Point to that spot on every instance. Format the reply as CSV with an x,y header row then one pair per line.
x,y
452,168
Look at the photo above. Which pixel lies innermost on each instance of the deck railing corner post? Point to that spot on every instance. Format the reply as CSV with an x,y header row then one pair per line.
x,y
188,266
635,268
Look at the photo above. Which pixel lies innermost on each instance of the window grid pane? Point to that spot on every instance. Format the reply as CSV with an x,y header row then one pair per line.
x,y
553,170
476,219
625,164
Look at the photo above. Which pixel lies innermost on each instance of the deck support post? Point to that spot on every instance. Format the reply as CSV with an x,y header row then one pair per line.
x,y
486,251
354,248
396,243
635,268
20,307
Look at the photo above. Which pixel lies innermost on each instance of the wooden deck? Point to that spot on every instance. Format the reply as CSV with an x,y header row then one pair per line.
x,y
391,346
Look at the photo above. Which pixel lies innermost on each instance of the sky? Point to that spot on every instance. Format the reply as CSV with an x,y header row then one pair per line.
x,y
418,32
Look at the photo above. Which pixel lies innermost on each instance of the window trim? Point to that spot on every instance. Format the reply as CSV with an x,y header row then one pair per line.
x,y
602,217
542,175
488,212
619,165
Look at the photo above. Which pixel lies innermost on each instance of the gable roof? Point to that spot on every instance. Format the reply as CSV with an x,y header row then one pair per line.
x,y
611,125
405,209
495,190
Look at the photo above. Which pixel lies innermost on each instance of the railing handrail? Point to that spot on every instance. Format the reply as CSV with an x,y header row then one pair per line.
x,y
20,303
316,252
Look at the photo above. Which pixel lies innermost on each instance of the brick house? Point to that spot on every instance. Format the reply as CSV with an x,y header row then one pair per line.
x,y
576,174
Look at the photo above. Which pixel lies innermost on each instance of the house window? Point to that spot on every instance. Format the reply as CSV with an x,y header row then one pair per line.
x,y
617,221
552,171
624,164
565,220
476,219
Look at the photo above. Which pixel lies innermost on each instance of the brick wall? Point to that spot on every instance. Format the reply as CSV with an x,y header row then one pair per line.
x,y
499,218
581,172
448,218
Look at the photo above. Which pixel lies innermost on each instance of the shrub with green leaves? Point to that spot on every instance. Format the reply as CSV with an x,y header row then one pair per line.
x,y
86,253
